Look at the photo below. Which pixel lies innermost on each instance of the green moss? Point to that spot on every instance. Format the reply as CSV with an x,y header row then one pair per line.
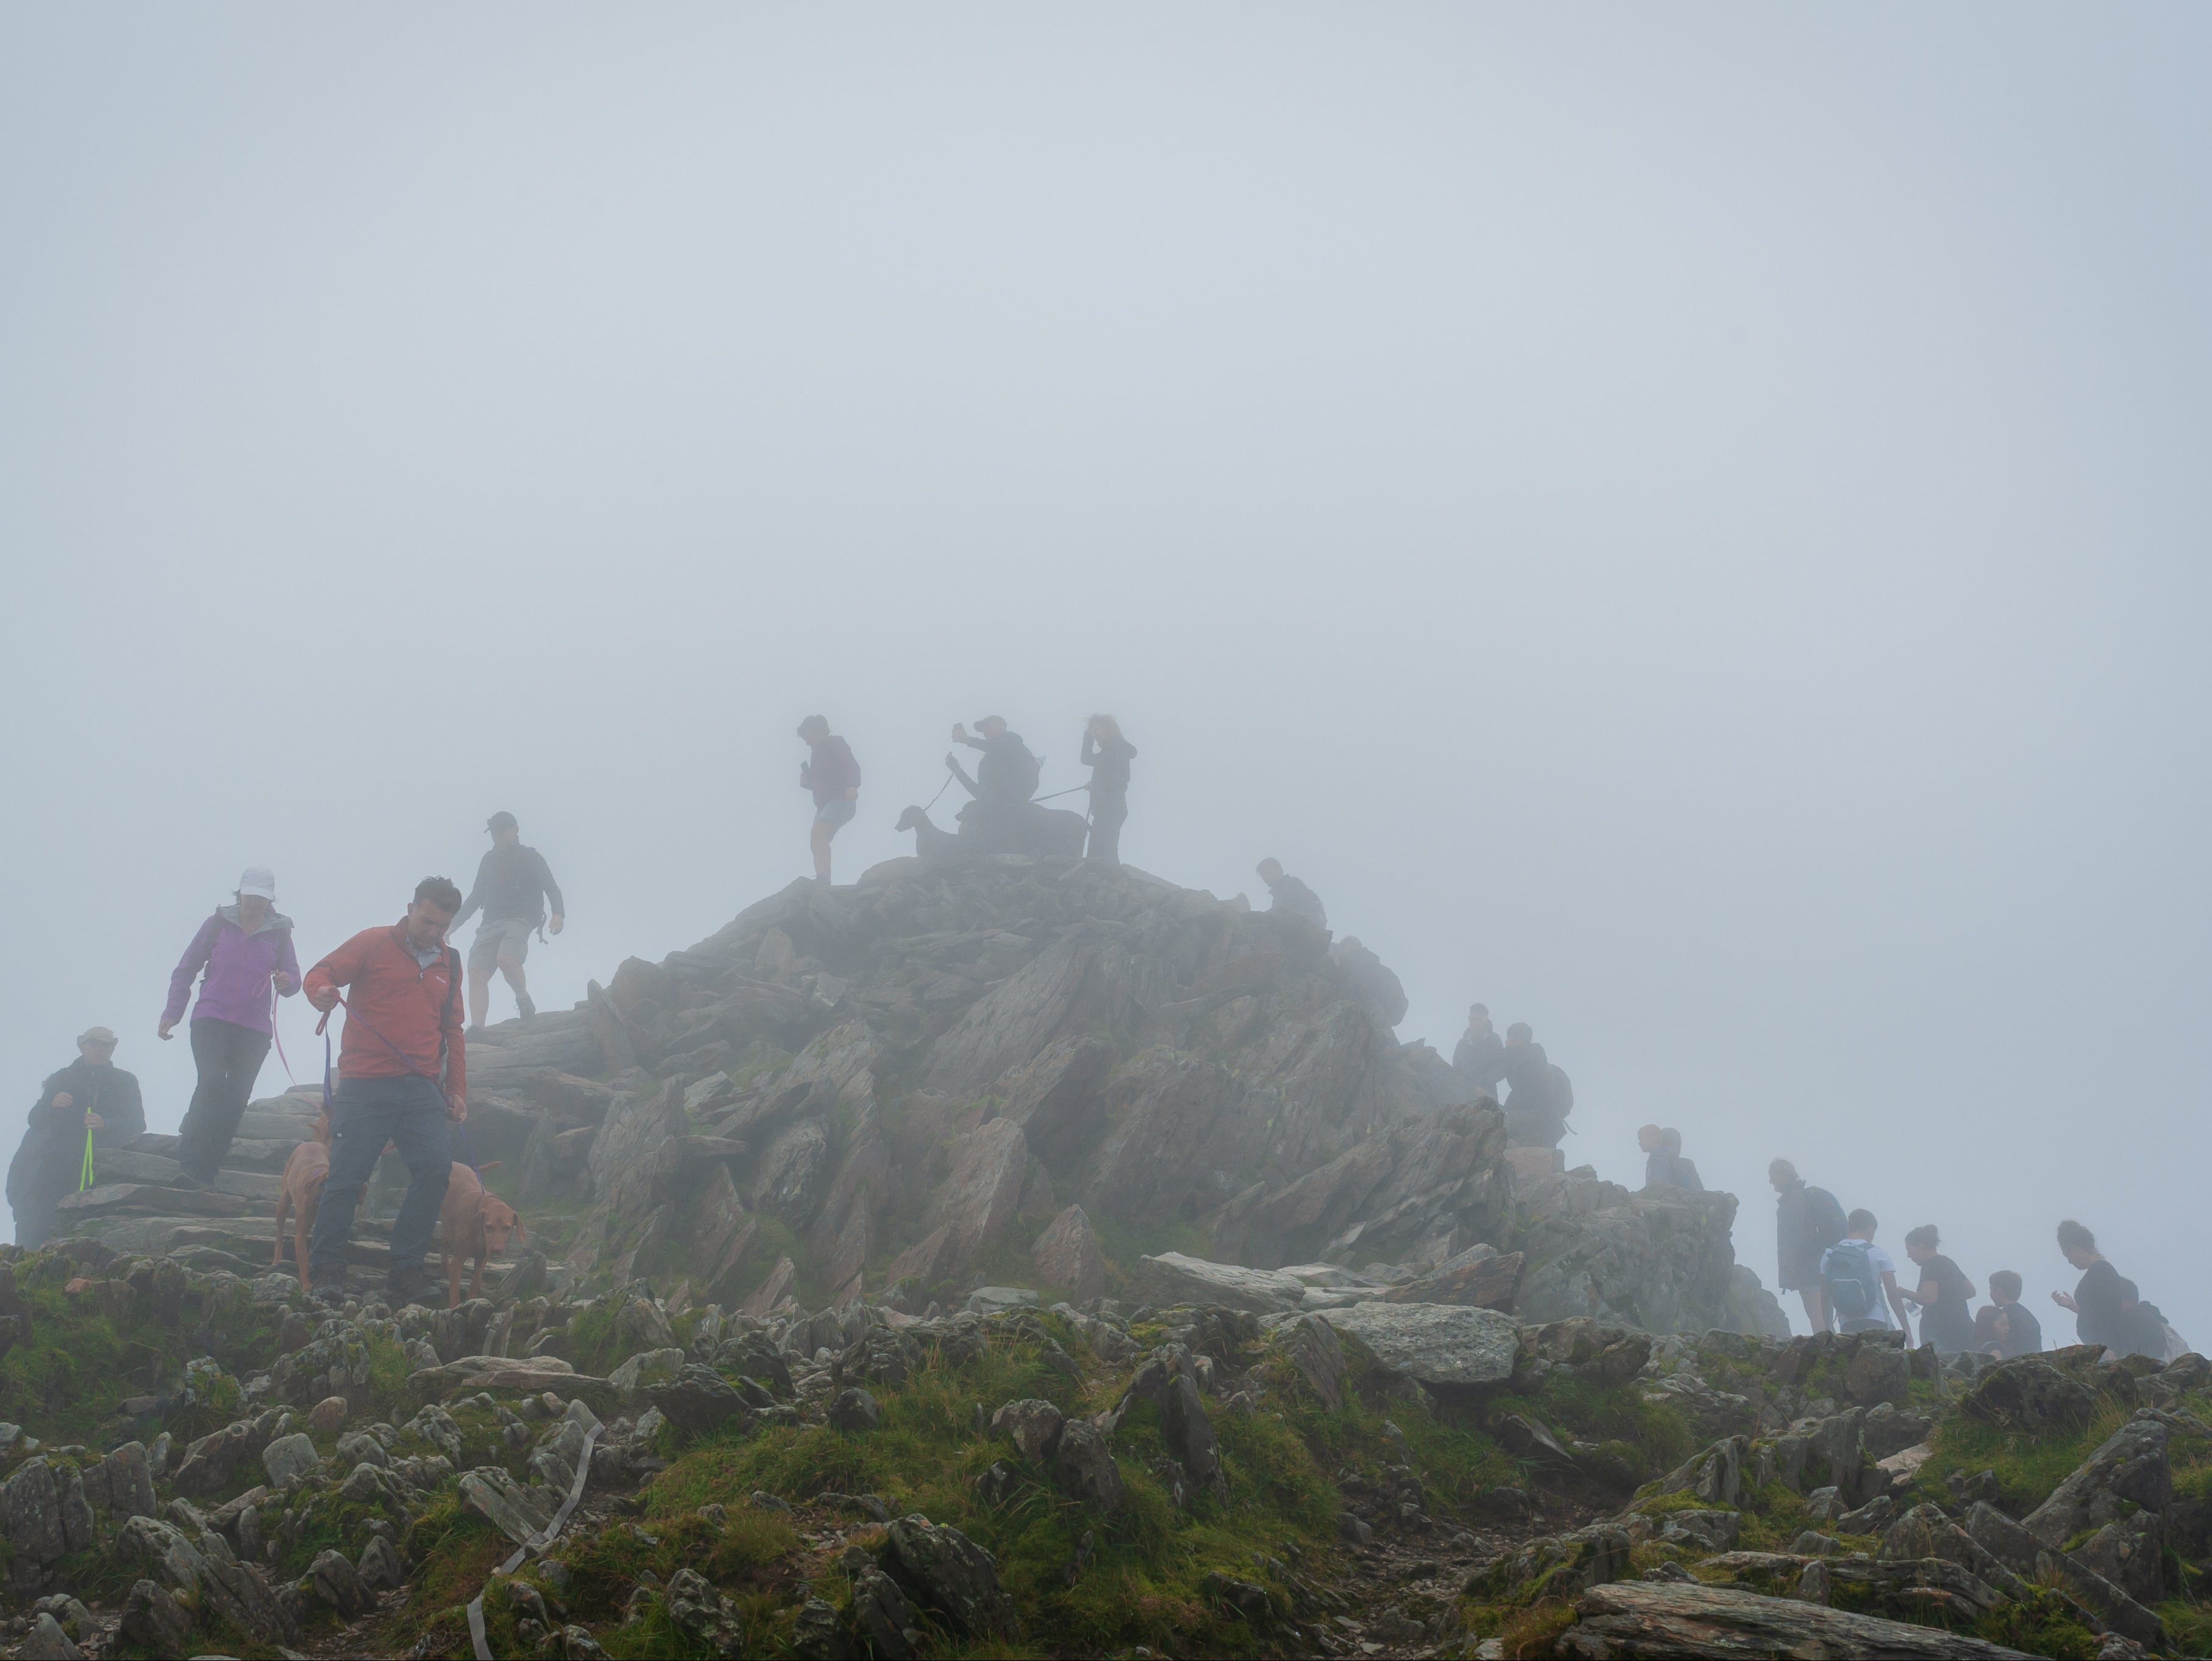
x,y
2043,1624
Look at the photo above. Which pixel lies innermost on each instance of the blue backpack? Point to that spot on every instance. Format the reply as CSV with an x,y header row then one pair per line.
x,y
1848,1275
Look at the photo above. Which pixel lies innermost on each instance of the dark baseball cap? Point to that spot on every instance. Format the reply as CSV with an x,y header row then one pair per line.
x,y
500,821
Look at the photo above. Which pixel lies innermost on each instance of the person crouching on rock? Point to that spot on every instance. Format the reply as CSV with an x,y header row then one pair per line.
x,y
834,777
1108,755
1005,778
240,954
90,1095
402,1076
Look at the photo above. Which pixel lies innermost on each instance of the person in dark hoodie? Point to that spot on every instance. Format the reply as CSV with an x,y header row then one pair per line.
x,y
91,1094
1479,1056
1540,1098
1108,755
243,959
1807,1221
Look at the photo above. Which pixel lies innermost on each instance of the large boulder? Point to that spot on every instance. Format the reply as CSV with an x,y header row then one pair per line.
x,y
2129,1472
1068,1254
944,1571
1444,1344
1171,1278
1644,1618
2030,1395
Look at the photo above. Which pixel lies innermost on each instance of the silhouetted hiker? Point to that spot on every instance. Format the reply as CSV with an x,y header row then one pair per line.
x,y
1287,894
513,887
834,777
402,1075
2095,1300
1860,1279
90,1094
1108,755
1540,1098
1658,1166
2002,1327
1007,775
2143,1328
1685,1171
1806,1222
244,949
1479,1057
1942,1294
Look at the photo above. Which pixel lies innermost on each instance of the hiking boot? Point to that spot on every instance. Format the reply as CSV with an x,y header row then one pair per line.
x,y
327,1288
188,1180
475,1030
409,1285
528,1010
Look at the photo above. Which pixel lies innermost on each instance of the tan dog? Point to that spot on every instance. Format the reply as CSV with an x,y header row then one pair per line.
x,y
304,1173
472,1224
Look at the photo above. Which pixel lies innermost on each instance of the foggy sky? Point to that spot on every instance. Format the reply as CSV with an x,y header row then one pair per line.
x,y
1686,524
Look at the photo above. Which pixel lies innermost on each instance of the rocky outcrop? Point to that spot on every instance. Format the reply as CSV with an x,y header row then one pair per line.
x,y
1437,1344
1626,1618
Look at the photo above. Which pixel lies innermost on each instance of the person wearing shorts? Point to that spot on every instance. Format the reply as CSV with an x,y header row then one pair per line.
x,y
514,889
834,777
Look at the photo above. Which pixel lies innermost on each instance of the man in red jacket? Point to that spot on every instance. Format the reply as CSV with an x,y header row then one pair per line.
x,y
403,1074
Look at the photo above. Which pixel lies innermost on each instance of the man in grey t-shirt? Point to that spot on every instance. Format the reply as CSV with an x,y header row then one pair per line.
x,y
512,889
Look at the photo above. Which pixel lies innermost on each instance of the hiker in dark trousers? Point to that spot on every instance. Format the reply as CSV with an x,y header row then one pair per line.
x,y
90,1094
514,888
403,1076
1286,894
1806,1222
834,777
1539,1097
1942,1294
1859,1280
1108,755
242,958
1479,1056
2002,1327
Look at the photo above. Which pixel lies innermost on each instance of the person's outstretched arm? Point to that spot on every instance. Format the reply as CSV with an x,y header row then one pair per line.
x,y
960,773
553,905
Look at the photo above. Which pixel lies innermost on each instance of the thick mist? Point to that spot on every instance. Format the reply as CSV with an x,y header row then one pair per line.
x,y
1686,525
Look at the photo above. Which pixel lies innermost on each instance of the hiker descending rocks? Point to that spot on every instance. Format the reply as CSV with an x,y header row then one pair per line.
x,y
1859,1279
403,1074
514,888
1806,1222
1539,1098
1479,1056
832,773
1288,894
1108,755
1942,1292
91,1094
243,959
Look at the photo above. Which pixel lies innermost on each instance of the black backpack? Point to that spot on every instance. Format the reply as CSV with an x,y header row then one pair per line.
x,y
1824,1221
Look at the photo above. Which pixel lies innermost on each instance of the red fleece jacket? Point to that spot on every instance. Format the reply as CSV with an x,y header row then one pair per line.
x,y
395,1004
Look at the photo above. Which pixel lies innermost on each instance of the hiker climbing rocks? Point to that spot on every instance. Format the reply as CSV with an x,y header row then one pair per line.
x,y
1289,895
2003,1327
1859,1279
402,1075
1806,1222
1539,1098
1942,1292
834,777
514,888
1108,755
243,959
91,1094
1479,1056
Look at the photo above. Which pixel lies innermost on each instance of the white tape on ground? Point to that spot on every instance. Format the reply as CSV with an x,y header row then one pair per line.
x,y
537,1542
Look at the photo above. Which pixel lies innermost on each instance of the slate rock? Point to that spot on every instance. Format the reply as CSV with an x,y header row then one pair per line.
x,y
2028,1395
2131,1553
360,1448
855,1409
339,1584
1639,1617
519,1512
1171,1278
703,1615
945,1570
1035,1426
155,1621
130,1481
1083,1463
75,1511
881,1614
652,1366
697,1400
1068,1254
1878,1373
1309,1344
48,1642
31,1503
2129,1470
1449,1344
288,1458
327,1416
381,1567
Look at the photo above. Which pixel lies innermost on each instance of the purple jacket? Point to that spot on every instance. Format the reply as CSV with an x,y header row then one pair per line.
x,y
238,965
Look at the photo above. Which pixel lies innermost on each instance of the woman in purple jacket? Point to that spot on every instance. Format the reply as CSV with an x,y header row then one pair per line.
x,y
244,949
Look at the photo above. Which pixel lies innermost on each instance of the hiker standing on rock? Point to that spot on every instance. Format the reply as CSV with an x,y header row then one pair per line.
x,y
1479,1057
1806,1222
243,959
1859,1279
1286,894
1108,755
1540,1098
513,887
91,1094
402,1075
834,777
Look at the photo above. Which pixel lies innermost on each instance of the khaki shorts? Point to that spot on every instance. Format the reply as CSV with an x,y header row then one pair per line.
x,y
509,935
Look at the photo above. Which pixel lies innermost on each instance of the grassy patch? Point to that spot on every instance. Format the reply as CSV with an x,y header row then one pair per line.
x,y
2027,1468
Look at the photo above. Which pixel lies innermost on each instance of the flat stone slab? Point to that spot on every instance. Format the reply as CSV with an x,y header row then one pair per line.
x,y
1172,1278
147,1200
530,1373
1434,1343
1634,1617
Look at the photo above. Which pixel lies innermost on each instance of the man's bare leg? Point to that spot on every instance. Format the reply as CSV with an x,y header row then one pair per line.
x,y
818,838
1816,1307
479,996
512,971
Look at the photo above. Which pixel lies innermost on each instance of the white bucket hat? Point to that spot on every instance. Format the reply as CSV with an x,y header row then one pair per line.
x,y
258,879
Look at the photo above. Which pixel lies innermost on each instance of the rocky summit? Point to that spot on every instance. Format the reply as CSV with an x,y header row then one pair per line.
x,y
1017,1255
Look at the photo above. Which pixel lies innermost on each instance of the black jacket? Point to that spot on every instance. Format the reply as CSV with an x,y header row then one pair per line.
x,y
1480,1062
512,883
50,1158
1006,773
1529,1075
1109,767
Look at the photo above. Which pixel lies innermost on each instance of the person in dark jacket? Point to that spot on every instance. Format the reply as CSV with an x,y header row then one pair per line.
x,y
832,773
90,1094
512,889
1108,755
2105,1307
1005,774
1806,1222
1685,1171
1286,894
1479,1057
2002,1327
1539,1098
243,959
1942,1294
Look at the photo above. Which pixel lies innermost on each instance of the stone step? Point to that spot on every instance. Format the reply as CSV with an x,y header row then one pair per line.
x,y
124,1164
149,1200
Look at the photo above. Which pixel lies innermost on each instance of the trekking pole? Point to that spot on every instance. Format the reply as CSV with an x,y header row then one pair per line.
x,y
85,1177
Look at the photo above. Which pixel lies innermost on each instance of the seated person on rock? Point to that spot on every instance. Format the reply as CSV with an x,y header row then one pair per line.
x,y
1685,1171
1286,894
2003,1327
1860,1280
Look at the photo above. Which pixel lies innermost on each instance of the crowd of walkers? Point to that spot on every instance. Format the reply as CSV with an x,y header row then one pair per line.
x,y
1849,1283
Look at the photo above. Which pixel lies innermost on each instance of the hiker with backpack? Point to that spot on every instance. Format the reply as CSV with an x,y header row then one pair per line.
x,y
1859,1280
2107,1309
1942,1294
1286,894
1539,1096
1685,1171
243,959
403,1077
1807,1221
1479,1056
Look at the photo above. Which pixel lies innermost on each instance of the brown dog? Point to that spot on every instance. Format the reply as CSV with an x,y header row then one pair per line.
x,y
304,1173
472,1224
